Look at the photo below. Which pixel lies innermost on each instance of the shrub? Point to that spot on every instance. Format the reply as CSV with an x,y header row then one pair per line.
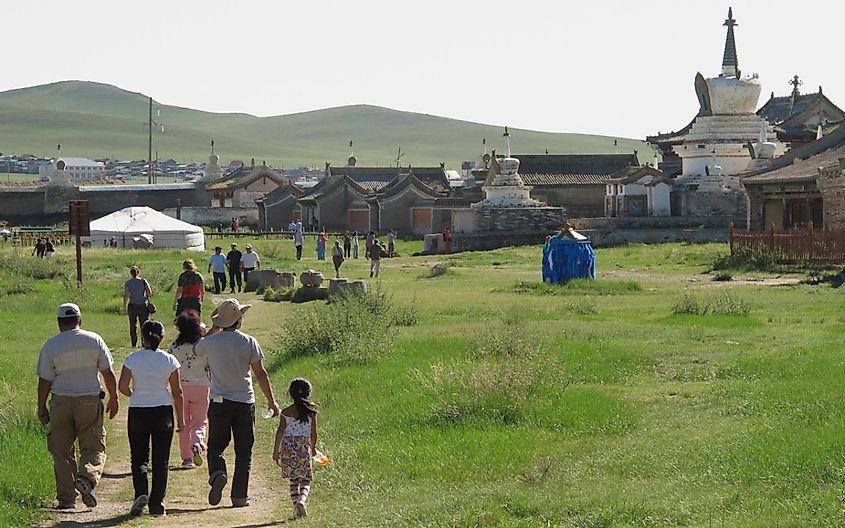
x,y
504,375
35,268
722,304
577,287
405,315
268,293
722,277
349,329
747,260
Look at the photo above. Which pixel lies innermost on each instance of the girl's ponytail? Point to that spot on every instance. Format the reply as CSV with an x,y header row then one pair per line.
x,y
300,392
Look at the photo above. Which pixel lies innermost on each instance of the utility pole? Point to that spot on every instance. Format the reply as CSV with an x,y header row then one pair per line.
x,y
150,149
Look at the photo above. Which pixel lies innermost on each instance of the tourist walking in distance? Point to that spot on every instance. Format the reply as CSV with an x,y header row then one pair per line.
x,y
136,294
322,240
217,265
190,289
193,374
249,262
231,415
347,245
337,258
368,243
375,257
292,226
39,248
145,377
233,261
355,244
296,443
68,368
297,240
391,243
447,240
49,249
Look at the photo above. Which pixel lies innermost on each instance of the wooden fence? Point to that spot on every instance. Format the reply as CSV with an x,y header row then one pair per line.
x,y
820,246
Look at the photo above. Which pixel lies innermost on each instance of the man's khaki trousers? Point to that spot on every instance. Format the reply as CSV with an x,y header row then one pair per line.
x,y
75,418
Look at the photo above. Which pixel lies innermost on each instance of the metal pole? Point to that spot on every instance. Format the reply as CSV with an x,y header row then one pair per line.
x,y
78,259
150,149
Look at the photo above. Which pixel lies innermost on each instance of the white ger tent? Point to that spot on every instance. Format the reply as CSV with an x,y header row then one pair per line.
x,y
137,226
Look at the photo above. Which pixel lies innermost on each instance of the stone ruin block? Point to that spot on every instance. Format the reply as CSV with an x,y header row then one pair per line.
x,y
311,279
268,278
341,287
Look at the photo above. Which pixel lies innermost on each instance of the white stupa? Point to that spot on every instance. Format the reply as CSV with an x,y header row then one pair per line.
x,y
716,148
212,169
504,186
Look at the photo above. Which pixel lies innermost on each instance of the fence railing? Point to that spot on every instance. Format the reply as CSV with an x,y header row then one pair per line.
x,y
821,246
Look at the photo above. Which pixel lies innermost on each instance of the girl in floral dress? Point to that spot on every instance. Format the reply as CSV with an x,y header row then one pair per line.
x,y
296,443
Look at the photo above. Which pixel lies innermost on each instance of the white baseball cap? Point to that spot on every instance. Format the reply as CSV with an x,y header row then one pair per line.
x,y
68,310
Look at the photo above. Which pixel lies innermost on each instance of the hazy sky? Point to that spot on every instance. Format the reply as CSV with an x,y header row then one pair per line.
x,y
620,68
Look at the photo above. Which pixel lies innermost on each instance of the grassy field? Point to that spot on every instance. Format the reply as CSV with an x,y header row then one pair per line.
x,y
98,120
654,396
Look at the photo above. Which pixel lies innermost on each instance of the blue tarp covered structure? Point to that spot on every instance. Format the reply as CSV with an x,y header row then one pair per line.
x,y
566,256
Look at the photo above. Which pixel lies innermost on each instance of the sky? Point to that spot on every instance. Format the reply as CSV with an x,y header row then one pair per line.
x,y
609,67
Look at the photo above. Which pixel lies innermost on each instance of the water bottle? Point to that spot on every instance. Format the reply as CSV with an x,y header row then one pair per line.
x,y
267,414
321,459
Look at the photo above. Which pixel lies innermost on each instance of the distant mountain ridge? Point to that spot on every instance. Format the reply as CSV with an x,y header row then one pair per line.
x,y
100,120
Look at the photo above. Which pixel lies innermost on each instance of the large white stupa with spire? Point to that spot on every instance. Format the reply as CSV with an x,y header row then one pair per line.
x,y
716,149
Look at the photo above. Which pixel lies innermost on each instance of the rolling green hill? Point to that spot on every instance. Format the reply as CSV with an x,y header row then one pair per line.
x,y
98,120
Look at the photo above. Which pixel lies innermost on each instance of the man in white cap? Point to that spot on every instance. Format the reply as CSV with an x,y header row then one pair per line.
x,y
231,415
68,367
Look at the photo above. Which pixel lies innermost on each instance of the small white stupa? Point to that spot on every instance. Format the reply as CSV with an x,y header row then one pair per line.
x,y
212,169
716,148
504,186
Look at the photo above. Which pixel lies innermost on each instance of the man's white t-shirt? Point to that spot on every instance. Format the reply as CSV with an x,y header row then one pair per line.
x,y
151,370
249,260
72,360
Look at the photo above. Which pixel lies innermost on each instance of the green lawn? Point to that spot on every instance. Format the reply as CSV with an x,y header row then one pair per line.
x,y
509,405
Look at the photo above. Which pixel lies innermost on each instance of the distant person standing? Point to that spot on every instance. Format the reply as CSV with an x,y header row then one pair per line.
x,y
136,294
217,266
68,367
447,240
233,261
337,258
391,243
190,289
297,240
322,240
250,261
347,245
355,244
195,381
231,415
368,243
375,257
292,226
145,378
49,249
39,248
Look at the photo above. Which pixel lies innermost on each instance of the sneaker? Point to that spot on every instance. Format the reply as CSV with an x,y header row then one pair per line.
x,y
197,451
240,502
218,481
138,506
86,489
187,463
300,509
158,512
70,505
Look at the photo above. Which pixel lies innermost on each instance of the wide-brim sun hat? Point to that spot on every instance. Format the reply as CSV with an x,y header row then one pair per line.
x,y
228,312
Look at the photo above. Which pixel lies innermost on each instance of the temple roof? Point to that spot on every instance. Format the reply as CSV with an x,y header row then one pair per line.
x,y
373,179
571,169
802,164
246,175
793,110
634,174
281,192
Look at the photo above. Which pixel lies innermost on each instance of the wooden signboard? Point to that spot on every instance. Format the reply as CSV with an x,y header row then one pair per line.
x,y
79,220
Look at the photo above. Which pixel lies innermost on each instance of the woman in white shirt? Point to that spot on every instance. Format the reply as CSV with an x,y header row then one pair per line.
x,y
145,377
195,386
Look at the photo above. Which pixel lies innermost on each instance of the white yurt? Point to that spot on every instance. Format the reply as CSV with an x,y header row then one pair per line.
x,y
142,227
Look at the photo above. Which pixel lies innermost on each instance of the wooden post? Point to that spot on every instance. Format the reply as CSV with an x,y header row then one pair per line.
x,y
78,226
772,237
810,233
78,259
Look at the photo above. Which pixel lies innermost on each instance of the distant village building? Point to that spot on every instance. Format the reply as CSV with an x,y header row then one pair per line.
x,y
75,168
279,207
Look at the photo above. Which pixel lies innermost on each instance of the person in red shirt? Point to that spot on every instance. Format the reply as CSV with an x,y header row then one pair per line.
x,y
447,239
190,289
